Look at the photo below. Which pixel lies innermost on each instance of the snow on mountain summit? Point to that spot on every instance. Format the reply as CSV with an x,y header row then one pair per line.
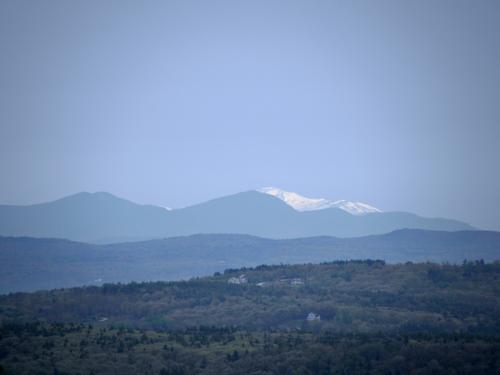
x,y
297,201
301,203
355,208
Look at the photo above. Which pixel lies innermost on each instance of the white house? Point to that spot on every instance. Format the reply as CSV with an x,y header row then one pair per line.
x,y
242,279
312,317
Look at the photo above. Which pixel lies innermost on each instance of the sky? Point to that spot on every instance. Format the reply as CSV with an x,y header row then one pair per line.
x,y
393,103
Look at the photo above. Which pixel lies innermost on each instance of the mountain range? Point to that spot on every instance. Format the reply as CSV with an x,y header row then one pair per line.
x,y
42,263
104,218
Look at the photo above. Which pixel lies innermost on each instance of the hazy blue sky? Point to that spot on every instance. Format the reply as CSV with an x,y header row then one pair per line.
x,y
394,103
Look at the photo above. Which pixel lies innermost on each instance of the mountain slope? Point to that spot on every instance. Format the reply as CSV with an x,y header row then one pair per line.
x,y
104,218
84,217
33,263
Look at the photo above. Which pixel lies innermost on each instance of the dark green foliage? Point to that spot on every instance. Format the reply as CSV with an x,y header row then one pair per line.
x,y
206,350
355,296
375,318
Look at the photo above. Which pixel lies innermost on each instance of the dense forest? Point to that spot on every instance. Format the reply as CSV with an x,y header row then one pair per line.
x,y
338,317
90,349
354,296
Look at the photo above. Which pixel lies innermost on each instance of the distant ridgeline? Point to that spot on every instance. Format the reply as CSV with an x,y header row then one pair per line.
x,y
30,264
104,218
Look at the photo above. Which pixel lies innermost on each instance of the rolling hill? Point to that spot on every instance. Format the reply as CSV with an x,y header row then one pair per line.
x,y
32,263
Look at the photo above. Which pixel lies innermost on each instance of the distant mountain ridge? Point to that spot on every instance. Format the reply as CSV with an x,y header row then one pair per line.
x,y
42,263
104,218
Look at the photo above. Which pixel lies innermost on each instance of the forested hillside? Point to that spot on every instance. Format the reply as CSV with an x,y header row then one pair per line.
x,y
92,349
357,296
332,318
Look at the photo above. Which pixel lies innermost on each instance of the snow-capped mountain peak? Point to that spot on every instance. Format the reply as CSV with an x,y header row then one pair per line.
x,y
295,200
301,203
